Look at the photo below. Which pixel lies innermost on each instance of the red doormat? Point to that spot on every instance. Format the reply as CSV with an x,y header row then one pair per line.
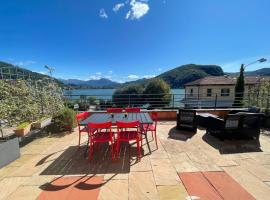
x,y
213,186
74,187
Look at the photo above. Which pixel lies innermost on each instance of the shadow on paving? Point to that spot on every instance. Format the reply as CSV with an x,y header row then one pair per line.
x,y
233,145
88,175
180,134
73,162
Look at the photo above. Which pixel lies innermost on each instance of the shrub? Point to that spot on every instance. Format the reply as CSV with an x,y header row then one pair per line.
x,y
23,125
24,100
66,119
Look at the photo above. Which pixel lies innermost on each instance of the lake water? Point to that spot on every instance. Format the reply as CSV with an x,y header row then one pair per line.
x,y
106,94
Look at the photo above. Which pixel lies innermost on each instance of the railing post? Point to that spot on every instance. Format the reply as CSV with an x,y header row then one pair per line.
x,y
129,100
216,101
173,100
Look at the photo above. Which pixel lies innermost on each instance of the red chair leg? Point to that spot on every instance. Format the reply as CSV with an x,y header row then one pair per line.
x,y
117,149
79,139
139,149
112,150
156,138
90,151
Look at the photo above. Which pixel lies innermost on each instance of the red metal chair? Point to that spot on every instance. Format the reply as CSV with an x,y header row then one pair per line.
x,y
128,131
114,110
132,110
100,133
80,117
152,127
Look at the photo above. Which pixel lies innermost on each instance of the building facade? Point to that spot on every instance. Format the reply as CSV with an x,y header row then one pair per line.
x,y
215,91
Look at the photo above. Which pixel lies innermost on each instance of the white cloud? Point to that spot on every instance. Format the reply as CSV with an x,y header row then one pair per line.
x,y
118,6
95,77
108,77
132,76
128,14
25,63
102,13
138,9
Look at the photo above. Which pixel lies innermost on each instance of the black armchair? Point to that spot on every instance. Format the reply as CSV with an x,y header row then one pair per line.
x,y
250,125
224,127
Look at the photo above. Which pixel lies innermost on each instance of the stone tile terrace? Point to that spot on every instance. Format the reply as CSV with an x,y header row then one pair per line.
x,y
154,177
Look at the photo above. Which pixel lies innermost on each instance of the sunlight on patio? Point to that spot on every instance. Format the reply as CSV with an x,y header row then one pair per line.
x,y
54,167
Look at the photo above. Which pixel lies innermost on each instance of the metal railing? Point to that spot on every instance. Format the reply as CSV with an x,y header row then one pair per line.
x,y
166,101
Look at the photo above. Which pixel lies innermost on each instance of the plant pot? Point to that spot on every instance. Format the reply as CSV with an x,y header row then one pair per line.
x,y
22,132
43,123
68,128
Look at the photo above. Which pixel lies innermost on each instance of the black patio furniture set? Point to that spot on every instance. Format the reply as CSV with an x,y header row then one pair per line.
x,y
238,124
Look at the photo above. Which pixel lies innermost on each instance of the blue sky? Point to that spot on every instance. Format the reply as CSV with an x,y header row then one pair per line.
x,y
129,39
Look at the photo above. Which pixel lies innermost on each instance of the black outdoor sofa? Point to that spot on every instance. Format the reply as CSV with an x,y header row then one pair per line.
x,y
239,125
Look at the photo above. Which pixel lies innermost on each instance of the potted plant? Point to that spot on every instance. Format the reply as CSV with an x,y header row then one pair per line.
x,y
66,119
43,122
23,129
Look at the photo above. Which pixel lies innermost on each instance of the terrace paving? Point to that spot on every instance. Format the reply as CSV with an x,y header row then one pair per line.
x,y
56,159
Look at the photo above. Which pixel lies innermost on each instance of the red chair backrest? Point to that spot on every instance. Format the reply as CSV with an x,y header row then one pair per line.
x,y
99,126
133,110
114,110
134,124
81,116
104,125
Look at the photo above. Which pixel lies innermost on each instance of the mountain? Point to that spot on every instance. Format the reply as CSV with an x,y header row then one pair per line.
x,y
99,83
179,76
138,81
259,72
176,77
72,81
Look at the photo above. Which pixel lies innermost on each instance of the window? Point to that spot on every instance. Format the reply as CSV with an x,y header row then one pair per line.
x,y
225,92
191,92
209,92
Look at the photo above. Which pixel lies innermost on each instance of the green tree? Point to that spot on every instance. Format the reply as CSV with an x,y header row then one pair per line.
x,y
128,96
157,93
239,88
259,95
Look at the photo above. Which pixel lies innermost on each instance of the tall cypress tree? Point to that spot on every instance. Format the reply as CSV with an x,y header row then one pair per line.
x,y
239,88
